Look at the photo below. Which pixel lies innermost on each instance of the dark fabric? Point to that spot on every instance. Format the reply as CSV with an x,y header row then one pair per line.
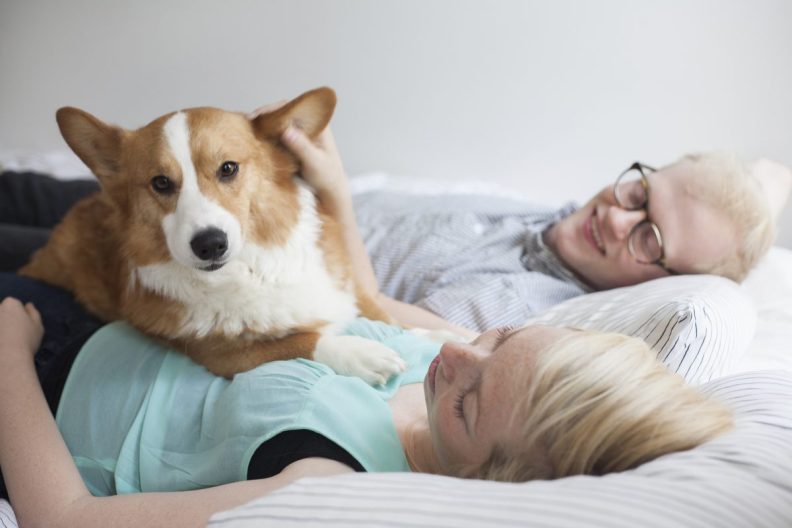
x,y
38,200
67,326
18,243
31,205
275,454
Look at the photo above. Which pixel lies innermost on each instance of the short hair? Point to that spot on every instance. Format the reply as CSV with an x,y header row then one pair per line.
x,y
596,403
722,181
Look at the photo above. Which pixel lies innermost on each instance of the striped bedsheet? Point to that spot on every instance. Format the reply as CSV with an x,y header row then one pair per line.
x,y
7,518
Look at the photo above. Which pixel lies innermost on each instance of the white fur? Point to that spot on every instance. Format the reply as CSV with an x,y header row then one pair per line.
x,y
358,356
268,290
194,210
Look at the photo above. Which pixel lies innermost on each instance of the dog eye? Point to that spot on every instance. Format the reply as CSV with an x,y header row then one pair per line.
x,y
162,184
228,170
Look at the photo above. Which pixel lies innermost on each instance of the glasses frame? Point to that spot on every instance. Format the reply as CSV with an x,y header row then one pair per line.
x,y
660,261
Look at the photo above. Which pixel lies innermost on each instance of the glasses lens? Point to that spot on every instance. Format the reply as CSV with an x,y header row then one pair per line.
x,y
645,244
629,190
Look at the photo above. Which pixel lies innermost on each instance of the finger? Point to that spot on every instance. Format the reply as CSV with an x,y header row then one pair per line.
x,y
11,301
299,143
33,312
266,109
325,139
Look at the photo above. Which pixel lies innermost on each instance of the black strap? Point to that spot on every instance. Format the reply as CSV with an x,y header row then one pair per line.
x,y
275,454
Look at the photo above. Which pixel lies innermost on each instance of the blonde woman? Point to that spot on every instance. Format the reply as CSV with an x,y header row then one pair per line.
x,y
514,404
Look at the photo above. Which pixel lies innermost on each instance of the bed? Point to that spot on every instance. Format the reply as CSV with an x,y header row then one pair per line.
x,y
741,479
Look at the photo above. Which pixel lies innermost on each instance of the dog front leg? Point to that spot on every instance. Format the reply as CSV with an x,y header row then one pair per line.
x,y
347,355
225,357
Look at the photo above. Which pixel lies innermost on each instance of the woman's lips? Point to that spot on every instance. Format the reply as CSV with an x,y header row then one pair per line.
x,y
432,372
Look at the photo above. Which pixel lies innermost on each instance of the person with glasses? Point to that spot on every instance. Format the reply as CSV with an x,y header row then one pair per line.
x,y
480,262
702,214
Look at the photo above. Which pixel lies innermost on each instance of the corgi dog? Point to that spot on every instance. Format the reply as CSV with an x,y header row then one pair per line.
x,y
203,238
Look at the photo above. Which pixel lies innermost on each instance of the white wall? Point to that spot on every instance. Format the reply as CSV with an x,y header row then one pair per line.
x,y
553,98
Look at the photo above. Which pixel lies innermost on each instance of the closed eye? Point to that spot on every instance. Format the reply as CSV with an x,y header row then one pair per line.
x,y
503,332
459,402
458,405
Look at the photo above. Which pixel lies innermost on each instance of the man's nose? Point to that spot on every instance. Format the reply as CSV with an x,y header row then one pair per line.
x,y
621,221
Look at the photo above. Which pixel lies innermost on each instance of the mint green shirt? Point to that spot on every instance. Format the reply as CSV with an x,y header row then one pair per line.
x,y
137,416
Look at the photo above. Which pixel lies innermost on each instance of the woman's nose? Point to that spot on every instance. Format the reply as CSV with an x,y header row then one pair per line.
x,y
455,358
621,221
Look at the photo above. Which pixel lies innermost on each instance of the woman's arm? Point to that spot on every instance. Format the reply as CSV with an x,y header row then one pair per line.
x,y
323,170
44,485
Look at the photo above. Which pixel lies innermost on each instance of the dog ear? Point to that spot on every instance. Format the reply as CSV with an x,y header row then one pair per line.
x,y
310,112
95,142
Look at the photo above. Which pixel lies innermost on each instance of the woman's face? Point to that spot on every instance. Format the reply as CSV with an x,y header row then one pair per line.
x,y
471,390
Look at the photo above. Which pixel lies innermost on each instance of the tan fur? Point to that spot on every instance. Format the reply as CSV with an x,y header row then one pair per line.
x,y
226,357
99,243
82,257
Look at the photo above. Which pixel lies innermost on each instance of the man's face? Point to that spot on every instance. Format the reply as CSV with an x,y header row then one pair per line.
x,y
593,240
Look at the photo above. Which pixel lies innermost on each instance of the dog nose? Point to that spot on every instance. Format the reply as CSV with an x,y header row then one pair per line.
x,y
209,244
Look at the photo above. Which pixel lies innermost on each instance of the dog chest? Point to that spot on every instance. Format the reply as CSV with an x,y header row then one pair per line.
x,y
270,291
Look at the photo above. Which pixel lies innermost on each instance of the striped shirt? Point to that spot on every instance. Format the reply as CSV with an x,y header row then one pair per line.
x,y
479,262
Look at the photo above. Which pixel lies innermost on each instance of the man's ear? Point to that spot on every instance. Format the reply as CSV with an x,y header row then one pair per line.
x,y
310,112
96,143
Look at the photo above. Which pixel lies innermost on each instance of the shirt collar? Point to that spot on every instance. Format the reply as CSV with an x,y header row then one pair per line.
x,y
537,256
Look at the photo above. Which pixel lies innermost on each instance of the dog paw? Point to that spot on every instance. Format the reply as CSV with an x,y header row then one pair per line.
x,y
369,360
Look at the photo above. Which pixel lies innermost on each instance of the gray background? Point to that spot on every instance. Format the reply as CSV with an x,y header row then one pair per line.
x,y
551,98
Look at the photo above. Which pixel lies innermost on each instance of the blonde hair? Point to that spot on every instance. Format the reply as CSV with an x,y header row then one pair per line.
x,y
597,403
725,183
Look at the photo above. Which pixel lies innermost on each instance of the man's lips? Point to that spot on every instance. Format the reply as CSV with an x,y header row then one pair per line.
x,y
432,372
592,234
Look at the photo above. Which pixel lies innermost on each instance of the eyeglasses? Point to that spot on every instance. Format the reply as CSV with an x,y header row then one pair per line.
x,y
645,242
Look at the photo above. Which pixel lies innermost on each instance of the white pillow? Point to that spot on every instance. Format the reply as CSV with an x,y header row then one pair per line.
x,y
699,325
769,285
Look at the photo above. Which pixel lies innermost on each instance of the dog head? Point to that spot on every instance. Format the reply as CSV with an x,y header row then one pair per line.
x,y
194,186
